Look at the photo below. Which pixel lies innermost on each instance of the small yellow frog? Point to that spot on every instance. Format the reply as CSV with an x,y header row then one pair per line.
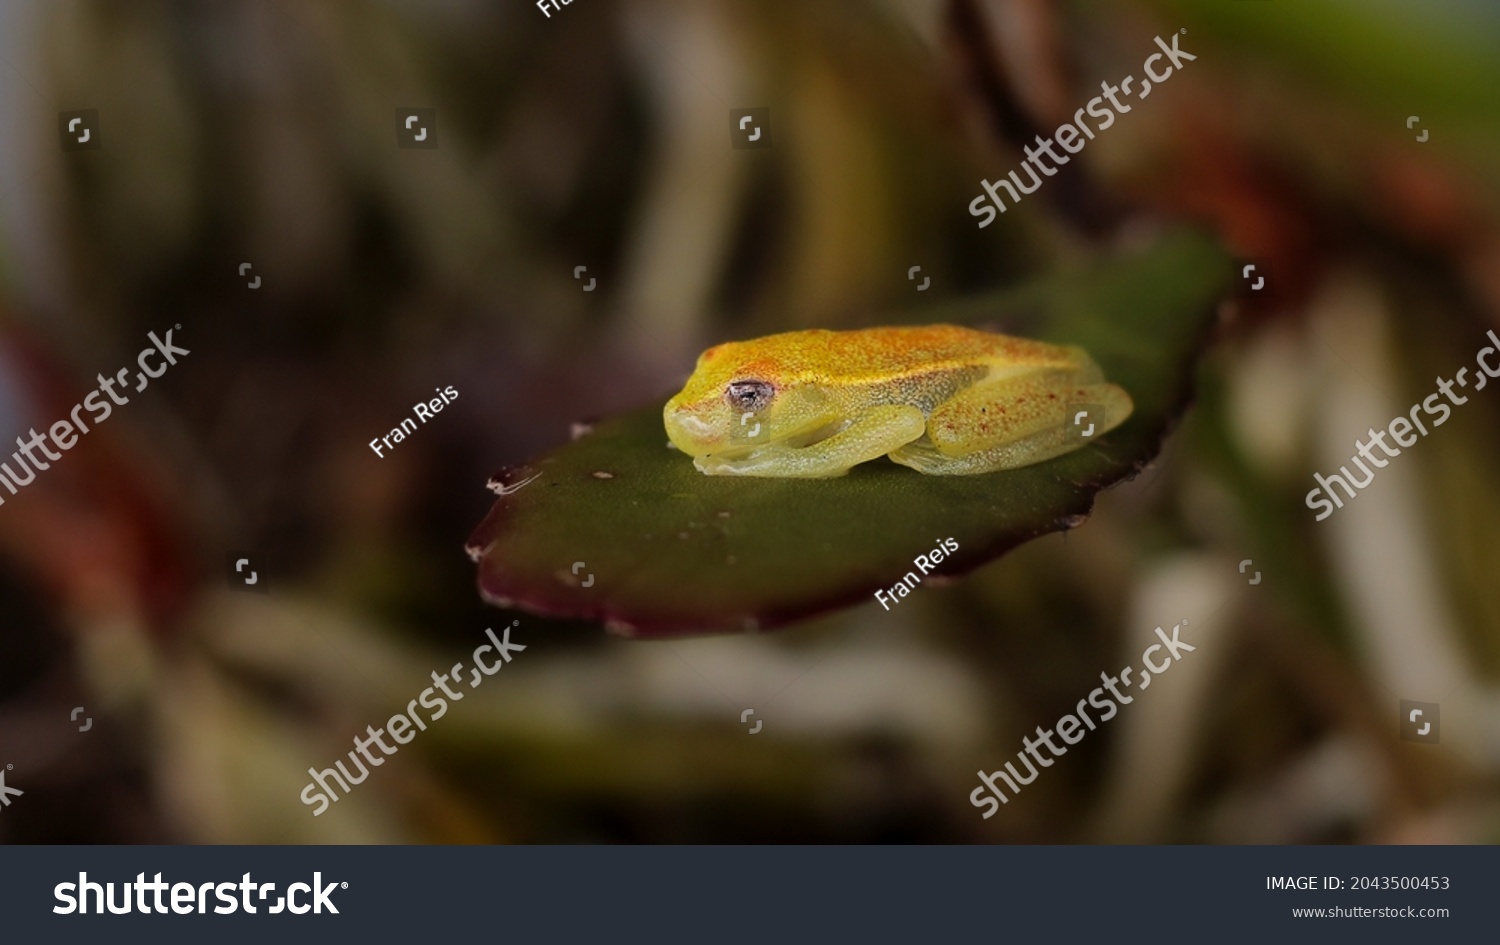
x,y
944,400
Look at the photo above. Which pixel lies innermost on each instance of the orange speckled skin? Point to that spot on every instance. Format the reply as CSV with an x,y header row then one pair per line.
x,y
840,398
869,355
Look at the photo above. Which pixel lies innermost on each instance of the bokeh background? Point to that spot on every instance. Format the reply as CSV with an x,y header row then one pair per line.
x,y
263,132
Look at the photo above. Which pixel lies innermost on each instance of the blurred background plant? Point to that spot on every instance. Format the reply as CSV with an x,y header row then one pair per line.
x,y
599,137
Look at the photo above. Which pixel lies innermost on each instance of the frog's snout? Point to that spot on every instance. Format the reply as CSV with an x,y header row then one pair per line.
x,y
690,432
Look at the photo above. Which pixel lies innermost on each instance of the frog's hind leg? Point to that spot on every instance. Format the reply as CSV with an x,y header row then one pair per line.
x,y
1013,422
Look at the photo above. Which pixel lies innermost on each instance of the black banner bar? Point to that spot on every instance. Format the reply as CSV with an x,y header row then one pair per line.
x,y
750,894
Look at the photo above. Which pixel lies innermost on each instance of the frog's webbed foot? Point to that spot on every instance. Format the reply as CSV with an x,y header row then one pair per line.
x,y
877,432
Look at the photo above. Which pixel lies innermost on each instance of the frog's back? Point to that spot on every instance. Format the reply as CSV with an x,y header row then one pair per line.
x,y
879,354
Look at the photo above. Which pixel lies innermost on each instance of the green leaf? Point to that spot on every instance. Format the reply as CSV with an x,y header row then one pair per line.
x,y
667,551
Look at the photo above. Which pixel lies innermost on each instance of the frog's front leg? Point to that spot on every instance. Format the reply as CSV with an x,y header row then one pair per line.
x,y
876,432
1014,422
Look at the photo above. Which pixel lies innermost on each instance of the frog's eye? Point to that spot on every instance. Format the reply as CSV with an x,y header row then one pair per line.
x,y
748,395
